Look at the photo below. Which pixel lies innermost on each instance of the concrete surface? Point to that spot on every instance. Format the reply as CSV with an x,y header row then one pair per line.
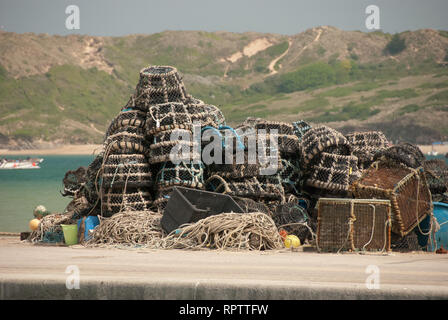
x,y
39,272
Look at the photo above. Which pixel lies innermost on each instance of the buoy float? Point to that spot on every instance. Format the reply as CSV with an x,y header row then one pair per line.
x,y
39,212
291,241
34,224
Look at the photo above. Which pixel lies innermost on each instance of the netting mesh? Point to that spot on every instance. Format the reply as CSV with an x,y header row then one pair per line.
x,y
262,187
345,224
366,144
323,139
176,150
126,143
249,205
300,128
290,175
73,181
157,85
436,172
294,220
130,170
333,172
117,200
183,174
405,187
127,120
405,153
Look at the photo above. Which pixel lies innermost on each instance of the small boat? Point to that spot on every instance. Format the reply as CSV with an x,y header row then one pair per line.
x,y
29,163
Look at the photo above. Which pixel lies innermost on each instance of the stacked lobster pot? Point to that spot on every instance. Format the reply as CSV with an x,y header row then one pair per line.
x,y
398,175
365,145
251,169
330,167
173,127
126,176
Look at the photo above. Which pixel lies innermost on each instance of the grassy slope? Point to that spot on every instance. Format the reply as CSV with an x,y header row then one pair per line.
x,y
334,81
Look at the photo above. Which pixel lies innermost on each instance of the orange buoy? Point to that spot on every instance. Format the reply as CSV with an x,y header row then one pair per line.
x,y
34,224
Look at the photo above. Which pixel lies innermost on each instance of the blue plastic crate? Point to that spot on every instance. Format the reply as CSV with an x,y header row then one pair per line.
x,y
441,236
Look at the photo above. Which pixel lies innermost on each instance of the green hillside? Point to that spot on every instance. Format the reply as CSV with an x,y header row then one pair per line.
x,y
67,89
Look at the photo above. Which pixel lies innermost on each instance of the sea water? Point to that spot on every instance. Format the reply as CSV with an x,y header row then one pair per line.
x,y
21,190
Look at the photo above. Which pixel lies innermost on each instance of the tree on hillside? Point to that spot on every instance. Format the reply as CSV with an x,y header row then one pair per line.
x,y
395,45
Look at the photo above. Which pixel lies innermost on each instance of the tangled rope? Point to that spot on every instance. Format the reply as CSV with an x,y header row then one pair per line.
x,y
50,224
131,228
252,231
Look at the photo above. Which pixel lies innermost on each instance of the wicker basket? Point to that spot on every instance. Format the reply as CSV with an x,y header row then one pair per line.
x,y
405,187
353,224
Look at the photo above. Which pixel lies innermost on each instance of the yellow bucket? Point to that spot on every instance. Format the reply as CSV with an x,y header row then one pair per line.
x,y
70,233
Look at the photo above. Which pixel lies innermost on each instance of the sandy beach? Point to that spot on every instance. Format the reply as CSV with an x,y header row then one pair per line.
x,y
86,149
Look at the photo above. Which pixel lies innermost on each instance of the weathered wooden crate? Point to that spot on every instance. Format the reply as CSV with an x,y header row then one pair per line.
x,y
405,187
353,224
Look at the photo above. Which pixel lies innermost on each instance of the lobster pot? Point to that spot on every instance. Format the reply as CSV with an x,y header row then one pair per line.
x,y
130,170
243,165
282,128
300,128
168,116
117,200
403,153
183,174
294,219
126,143
249,205
262,136
366,144
323,139
353,224
258,188
436,172
158,84
333,172
128,120
406,188
290,174
74,180
216,114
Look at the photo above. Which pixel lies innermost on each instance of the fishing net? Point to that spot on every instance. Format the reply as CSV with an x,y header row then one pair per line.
x,y
405,153
405,187
184,174
157,85
130,170
365,145
129,228
247,231
436,172
333,172
126,143
49,229
323,139
127,120
117,200
300,128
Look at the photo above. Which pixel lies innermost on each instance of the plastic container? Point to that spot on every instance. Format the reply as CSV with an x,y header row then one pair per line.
x,y
90,223
191,205
70,233
440,237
